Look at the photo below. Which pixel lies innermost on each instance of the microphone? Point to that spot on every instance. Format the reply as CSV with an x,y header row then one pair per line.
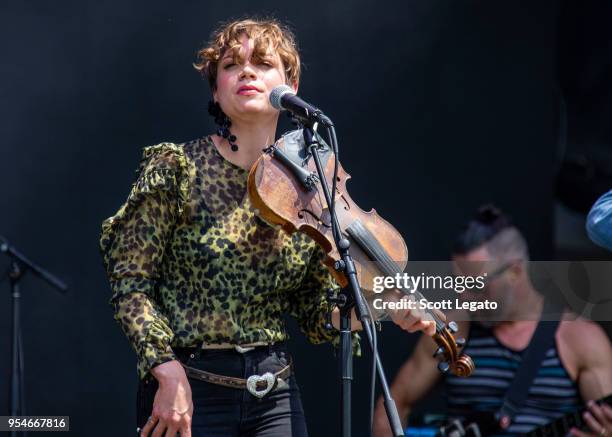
x,y
283,98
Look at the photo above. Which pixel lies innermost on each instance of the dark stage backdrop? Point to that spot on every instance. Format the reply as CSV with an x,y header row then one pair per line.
x,y
440,106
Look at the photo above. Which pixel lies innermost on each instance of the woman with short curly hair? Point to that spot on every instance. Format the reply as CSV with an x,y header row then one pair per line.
x,y
199,282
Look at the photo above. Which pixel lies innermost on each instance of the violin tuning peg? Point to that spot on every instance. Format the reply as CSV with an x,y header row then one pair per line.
x,y
443,366
438,352
460,342
453,327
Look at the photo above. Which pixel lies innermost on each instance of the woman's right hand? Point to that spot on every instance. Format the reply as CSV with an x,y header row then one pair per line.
x,y
173,406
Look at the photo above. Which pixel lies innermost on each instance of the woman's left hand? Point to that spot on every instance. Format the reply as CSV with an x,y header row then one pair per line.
x,y
598,420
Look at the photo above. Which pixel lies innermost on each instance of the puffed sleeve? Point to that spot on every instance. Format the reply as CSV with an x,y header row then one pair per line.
x,y
308,303
599,221
132,245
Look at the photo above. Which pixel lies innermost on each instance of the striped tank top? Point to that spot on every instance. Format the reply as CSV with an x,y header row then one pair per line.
x,y
551,395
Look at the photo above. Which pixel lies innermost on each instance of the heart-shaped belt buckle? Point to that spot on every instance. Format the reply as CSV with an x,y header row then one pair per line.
x,y
252,381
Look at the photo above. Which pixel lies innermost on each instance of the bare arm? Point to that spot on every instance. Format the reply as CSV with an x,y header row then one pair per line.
x,y
415,379
591,348
593,354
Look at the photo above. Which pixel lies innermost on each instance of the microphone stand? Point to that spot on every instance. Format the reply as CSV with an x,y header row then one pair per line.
x,y
350,297
19,266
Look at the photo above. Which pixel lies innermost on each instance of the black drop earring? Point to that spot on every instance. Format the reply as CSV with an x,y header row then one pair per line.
x,y
224,124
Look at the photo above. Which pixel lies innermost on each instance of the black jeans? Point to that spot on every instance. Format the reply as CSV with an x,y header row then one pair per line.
x,y
226,412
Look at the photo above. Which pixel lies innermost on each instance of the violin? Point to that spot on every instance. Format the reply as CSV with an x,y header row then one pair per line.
x,y
285,191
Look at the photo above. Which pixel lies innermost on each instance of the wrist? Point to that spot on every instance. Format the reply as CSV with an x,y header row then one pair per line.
x,y
168,372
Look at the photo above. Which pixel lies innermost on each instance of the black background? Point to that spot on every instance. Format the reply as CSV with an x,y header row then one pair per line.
x,y
440,106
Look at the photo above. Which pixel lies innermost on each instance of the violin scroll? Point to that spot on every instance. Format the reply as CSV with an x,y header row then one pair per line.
x,y
449,351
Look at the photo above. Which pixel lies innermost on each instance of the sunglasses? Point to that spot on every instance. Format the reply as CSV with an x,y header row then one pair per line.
x,y
497,272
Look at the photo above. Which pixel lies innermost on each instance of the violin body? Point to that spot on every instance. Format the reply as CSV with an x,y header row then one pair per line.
x,y
283,186
283,200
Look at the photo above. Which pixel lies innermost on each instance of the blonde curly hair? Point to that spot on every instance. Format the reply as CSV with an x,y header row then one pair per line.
x,y
265,33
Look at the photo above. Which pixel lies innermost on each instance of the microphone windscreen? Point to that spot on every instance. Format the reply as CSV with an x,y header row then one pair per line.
x,y
276,95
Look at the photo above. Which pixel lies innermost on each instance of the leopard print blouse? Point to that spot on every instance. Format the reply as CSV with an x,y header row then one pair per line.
x,y
189,261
